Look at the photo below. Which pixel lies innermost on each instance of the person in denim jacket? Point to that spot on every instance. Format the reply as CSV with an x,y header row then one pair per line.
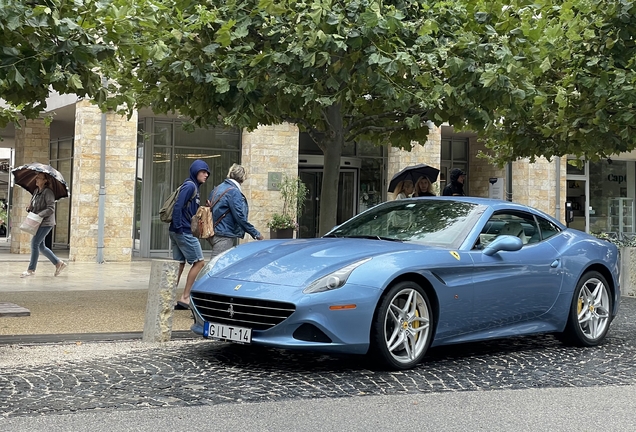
x,y
230,212
186,247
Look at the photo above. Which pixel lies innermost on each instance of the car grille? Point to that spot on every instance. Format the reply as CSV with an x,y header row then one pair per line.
x,y
242,312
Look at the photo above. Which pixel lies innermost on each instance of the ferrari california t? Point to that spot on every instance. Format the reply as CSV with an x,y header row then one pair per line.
x,y
409,274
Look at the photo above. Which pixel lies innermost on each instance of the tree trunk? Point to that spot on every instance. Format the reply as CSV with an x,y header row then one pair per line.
x,y
332,148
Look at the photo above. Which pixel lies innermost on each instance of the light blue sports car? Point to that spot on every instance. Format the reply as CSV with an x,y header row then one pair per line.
x,y
409,274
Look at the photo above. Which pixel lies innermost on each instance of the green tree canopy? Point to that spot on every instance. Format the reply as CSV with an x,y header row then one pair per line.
x,y
547,78
63,46
341,71
533,78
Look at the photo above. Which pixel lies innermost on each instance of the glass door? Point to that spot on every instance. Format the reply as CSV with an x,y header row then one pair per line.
x,y
578,192
61,158
347,198
164,156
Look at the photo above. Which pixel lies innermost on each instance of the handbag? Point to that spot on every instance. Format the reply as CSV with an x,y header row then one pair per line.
x,y
31,223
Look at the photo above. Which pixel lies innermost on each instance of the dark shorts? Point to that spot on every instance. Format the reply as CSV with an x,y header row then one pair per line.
x,y
186,248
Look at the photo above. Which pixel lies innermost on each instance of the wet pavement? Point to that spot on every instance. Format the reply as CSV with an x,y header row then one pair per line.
x,y
86,298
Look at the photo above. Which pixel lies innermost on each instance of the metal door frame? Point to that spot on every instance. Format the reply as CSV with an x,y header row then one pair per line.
x,y
348,169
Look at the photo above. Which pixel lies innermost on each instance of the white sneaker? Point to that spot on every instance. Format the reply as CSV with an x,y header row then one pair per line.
x,y
27,274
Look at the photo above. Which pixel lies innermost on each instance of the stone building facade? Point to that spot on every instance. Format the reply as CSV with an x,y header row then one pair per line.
x,y
266,150
119,184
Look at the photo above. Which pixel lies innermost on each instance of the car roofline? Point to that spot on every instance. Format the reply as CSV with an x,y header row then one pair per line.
x,y
496,205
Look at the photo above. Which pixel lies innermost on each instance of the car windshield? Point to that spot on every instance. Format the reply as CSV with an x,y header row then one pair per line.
x,y
430,222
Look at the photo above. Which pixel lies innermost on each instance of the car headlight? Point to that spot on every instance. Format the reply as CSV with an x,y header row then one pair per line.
x,y
208,267
333,280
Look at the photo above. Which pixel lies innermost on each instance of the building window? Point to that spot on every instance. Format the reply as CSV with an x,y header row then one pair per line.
x,y
573,167
61,158
611,196
372,175
454,155
173,150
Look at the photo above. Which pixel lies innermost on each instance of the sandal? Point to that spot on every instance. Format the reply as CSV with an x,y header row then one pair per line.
x,y
59,267
27,274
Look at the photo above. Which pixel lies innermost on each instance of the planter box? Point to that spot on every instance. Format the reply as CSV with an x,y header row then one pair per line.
x,y
627,278
287,233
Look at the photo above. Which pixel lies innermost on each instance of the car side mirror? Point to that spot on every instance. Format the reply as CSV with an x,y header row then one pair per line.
x,y
503,243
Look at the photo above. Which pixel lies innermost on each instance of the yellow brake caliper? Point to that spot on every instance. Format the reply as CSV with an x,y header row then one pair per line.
x,y
416,324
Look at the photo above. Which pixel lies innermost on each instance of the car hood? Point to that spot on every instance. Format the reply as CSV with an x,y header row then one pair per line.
x,y
298,262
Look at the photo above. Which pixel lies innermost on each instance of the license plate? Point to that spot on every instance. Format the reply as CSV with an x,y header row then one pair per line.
x,y
225,332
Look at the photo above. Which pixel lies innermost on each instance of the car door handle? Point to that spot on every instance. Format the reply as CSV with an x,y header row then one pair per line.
x,y
555,263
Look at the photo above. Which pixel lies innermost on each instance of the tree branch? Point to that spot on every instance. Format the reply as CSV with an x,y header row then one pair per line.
x,y
312,131
371,128
373,119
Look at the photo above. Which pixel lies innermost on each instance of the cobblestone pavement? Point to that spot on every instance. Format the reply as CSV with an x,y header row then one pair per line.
x,y
205,372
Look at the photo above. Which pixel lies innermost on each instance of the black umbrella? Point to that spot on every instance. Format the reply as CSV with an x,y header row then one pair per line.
x,y
413,173
25,176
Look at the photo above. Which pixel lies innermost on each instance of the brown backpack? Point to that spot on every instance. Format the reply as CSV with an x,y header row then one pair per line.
x,y
201,224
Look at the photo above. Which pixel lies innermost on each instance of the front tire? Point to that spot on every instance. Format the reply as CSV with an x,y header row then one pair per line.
x,y
590,312
402,327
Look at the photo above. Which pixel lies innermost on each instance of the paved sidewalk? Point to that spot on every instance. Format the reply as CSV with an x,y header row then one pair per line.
x,y
86,298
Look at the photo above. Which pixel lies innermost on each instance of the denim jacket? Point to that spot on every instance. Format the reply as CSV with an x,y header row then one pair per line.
x,y
234,205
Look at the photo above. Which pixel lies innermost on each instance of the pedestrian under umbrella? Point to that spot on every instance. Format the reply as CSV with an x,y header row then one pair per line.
x,y
43,205
25,176
414,173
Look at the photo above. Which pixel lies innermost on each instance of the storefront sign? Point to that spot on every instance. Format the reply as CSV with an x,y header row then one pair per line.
x,y
496,188
273,180
616,178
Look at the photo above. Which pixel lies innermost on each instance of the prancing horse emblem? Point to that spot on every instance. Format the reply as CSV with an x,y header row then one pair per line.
x,y
230,310
236,288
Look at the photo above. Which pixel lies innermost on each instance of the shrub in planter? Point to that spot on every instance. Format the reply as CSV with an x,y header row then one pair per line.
x,y
294,192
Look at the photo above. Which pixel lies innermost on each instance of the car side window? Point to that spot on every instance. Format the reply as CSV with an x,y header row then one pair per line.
x,y
547,228
517,224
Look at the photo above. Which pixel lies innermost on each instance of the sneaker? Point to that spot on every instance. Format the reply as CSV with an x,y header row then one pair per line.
x,y
59,267
27,274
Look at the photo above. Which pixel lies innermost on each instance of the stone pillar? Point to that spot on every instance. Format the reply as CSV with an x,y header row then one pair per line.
x,y
121,159
429,153
627,278
481,170
31,145
535,184
162,294
267,149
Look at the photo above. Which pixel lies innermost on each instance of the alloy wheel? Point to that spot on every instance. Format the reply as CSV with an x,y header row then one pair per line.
x,y
407,326
593,308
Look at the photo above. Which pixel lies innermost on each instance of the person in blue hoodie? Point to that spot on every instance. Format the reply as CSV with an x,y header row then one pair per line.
x,y
186,247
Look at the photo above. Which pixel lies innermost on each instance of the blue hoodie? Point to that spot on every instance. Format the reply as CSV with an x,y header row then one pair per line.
x,y
186,206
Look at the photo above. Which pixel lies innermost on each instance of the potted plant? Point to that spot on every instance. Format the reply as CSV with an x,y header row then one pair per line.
x,y
294,192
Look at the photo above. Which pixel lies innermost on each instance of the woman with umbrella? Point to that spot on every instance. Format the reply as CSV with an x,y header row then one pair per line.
x,y
43,204
404,189
414,177
423,187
